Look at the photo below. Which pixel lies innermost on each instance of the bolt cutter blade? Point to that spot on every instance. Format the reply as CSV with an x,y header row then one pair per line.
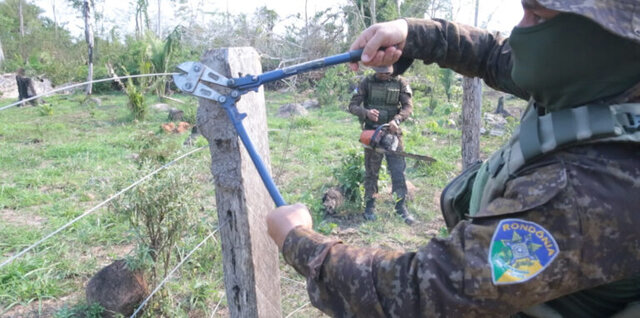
x,y
188,79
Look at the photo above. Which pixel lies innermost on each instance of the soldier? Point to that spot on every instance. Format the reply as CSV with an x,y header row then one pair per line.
x,y
554,219
26,89
385,99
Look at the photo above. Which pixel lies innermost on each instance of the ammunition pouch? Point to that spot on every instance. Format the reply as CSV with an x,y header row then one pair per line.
x,y
456,196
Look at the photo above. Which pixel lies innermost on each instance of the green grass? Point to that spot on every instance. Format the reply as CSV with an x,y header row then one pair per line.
x,y
58,165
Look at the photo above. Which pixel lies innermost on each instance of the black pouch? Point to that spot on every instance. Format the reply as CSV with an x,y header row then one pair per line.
x,y
455,198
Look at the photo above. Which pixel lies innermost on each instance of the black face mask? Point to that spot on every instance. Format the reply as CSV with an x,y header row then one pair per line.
x,y
570,61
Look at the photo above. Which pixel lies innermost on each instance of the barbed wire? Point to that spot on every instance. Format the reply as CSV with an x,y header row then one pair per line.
x,y
176,268
299,308
47,93
12,258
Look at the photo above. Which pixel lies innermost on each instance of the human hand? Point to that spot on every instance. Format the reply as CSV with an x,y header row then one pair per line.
x,y
284,219
392,35
393,126
373,114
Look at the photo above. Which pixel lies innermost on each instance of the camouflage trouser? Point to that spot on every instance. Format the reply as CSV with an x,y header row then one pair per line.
x,y
396,165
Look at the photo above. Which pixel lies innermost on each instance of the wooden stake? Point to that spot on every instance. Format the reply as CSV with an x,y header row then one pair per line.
x,y
250,258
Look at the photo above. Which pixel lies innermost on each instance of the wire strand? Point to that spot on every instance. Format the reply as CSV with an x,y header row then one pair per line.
x,y
176,268
47,93
299,308
213,313
12,258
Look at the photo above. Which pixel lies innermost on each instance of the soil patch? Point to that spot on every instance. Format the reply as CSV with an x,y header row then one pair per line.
x,y
21,218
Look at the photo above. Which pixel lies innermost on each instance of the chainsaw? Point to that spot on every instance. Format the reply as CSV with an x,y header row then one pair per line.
x,y
382,140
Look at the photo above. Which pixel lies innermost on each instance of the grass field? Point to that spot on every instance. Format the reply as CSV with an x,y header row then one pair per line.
x,y
56,165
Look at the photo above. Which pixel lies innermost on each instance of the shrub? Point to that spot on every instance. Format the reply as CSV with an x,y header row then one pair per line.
x,y
152,149
136,104
160,211
334,85
45,110
350,176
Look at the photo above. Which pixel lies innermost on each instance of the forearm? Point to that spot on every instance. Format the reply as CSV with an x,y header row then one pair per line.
x,y
355,106
465,49
407,108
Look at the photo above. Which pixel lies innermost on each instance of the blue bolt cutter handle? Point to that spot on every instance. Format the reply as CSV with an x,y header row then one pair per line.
x,y
195,74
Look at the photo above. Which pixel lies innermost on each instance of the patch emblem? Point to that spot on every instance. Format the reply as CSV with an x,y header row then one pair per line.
x,y
519,251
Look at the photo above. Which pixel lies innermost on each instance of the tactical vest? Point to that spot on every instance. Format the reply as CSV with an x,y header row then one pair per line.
x,y
385,97
536,136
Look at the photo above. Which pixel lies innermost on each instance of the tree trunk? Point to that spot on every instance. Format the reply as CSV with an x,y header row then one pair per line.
x,y
21,17
306,20
88,35
471,116
159,26
250,259
55,19
1,55
372,10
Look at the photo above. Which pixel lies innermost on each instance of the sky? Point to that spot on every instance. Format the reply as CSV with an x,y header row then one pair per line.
x,y
504,13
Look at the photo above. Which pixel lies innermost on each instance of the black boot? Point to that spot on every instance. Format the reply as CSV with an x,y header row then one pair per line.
x,y
401,209
370,209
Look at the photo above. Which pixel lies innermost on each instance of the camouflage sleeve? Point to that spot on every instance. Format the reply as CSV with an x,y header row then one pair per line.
x,y
358,98
556,230
465,49
405,101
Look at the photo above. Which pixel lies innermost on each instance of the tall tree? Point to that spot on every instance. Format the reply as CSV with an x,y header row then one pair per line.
x,y
1,55
21,18
471,114
372,9
87,13
159,26
142,16
55,18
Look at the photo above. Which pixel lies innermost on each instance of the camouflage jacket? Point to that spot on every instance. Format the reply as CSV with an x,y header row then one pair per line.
x,y
357,107
565,223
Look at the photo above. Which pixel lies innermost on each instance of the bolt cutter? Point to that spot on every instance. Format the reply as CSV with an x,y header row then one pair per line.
x,y
193,78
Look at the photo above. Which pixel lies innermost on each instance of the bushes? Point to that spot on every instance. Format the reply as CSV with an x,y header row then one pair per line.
x,y
160,211
335,85
350,176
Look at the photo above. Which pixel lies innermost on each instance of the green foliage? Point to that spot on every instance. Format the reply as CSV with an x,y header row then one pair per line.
x,y
152,148
326,227
350,176
136,103
447,78
80,310
334,85
45,110
160,210
301,122
45,49
190,113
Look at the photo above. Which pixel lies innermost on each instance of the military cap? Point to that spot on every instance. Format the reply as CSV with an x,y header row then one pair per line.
x,y
621,17
383,69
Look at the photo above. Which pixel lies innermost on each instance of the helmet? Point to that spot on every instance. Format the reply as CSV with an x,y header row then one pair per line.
x,y
621,17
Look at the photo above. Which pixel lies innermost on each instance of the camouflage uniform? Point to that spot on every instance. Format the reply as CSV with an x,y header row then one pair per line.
x,y
359,106
580,201
26,88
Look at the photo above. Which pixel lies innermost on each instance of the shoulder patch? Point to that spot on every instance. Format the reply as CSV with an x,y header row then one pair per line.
x,y
519,251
